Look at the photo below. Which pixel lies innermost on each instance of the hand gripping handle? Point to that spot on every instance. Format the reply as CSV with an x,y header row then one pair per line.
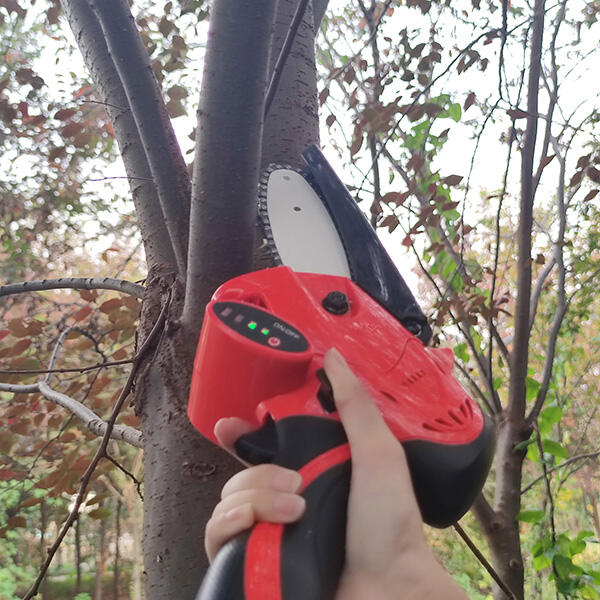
x,y
301,561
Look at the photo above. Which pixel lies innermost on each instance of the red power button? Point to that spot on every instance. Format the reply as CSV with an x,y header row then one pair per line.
x,y
274,342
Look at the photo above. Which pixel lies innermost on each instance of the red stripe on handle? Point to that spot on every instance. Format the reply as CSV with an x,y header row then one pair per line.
x,y
262,572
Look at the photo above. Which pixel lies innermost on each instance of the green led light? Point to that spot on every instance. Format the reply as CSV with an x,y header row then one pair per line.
x,y
264,331
252,325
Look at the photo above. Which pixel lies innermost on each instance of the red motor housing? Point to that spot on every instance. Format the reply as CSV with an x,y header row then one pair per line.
x,y
245,373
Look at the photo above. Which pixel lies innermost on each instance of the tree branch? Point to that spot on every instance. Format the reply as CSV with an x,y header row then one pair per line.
x,y
90,39
75,283
537,290
283,54
226,167
520,354
143,93
562,465
91,420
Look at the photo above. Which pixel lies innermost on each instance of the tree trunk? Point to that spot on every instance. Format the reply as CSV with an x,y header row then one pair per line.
x,y
292,122
78,555
116,561
100,559
499,525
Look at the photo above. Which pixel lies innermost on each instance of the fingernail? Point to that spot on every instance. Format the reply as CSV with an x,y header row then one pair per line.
x,y
287,481
335,353
289,505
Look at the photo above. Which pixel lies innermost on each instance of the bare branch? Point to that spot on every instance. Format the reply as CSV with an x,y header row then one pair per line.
x,y
486,564
562,465
283,54
75,283
148,108
537,290
136,481
102,365
520,354
91,420
561,303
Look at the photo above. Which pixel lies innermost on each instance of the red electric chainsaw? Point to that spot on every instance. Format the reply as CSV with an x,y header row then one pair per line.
x,y
260,355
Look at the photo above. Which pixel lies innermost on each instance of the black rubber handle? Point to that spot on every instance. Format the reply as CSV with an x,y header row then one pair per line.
x,y
312,550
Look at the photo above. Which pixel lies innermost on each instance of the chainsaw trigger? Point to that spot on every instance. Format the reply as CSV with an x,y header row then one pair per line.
x,y
325,393
258,446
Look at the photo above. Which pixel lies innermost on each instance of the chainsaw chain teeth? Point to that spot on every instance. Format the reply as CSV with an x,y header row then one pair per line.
x,y
268,241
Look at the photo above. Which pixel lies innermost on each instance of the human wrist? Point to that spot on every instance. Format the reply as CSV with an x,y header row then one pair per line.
x,y
414,576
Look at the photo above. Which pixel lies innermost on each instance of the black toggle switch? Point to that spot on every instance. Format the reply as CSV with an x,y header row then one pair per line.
x,y
336,303
325,393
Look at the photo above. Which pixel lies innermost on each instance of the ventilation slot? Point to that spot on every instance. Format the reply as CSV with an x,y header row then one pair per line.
x,y
413,377
455,418
388,396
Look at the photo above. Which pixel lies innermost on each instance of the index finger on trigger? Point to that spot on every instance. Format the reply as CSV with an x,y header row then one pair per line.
x,y
362,421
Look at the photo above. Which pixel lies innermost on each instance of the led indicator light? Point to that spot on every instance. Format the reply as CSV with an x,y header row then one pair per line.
x,y
274,342
264,331
252,325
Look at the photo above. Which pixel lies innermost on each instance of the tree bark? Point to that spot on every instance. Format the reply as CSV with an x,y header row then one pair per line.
x,y
226,165
292,122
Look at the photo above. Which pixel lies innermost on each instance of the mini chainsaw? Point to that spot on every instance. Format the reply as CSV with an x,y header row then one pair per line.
x,y
260,358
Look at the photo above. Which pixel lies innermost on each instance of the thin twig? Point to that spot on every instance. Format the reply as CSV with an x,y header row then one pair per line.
x,y
283,54
101,452
136,481
488,567
114,363
566,463
75,283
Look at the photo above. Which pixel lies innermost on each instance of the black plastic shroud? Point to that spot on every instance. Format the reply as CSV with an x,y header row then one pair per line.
x,y
371,268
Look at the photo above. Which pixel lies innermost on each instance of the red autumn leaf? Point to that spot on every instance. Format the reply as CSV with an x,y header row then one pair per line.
x,y
22,328
82,313
546,161
18,521
64,114
88,295
516,113
3,333
110,305
452,180
469,101
20,347
72,129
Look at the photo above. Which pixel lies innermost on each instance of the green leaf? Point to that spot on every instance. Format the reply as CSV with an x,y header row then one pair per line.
x,y
542,562
455,112
99,513
497,383
563,566
531,516
554,448
460,351
532,387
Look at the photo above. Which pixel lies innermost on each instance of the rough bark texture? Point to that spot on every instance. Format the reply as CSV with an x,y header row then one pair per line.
x,y
292,123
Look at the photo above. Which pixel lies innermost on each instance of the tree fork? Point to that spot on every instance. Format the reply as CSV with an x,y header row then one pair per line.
x,y
92,45
144,96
